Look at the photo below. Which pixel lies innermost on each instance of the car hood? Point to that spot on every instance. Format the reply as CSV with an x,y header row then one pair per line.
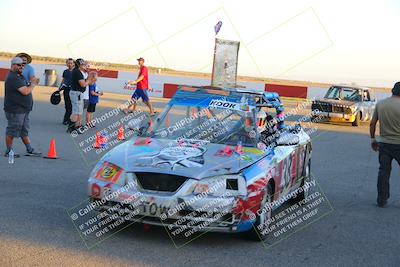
x,y
189,159
336,102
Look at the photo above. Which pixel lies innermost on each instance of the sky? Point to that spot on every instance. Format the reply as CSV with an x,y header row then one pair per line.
x,y
311,40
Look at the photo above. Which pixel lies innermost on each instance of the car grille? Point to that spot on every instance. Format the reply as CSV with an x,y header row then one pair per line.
x,y
159,181
221,221
337,109
323,107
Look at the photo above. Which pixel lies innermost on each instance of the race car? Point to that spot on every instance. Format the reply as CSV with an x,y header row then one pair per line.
x,y
216,159
345,104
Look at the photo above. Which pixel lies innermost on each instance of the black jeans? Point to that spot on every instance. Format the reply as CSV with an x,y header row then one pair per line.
x,y
387,152
68,106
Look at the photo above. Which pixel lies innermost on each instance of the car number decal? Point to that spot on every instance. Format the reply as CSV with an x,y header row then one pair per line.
x,y
109,173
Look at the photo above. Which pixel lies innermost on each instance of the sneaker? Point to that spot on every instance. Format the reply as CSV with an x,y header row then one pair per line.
x,y
90,125
127,111
33,153
382,204
16,155
80,129
70,127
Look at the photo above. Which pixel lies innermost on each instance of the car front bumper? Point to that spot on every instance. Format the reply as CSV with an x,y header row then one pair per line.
x,y
335,117
207,213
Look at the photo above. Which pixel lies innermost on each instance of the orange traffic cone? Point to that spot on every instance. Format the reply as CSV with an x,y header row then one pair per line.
x,y
97,143
121,133
52,154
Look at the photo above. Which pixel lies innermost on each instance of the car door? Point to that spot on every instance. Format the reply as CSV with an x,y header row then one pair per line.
x,y
286,176
367,106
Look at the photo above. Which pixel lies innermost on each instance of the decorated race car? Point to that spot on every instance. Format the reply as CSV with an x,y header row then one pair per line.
x,y
345,104
214,160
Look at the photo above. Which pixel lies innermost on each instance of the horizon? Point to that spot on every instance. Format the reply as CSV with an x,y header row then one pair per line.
x,y
317,41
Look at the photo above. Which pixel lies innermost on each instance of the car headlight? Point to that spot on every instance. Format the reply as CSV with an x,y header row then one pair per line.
x,y
226,185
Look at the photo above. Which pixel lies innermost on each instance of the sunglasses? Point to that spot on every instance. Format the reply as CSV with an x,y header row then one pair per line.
x,y
20,65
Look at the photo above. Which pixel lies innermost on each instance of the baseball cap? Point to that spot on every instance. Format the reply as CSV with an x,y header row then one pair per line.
x,y
16,60
396,89
139,59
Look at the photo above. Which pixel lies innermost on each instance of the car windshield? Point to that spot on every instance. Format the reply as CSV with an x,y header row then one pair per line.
x,y
215,125
343,93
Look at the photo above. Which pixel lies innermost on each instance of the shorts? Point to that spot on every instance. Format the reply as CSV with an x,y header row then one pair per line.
x,y
18,124
141,93
85,103
77,102
91,107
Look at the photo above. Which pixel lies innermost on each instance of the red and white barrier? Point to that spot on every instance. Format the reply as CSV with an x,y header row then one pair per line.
x,y
163,86
287,90
169,90
3,74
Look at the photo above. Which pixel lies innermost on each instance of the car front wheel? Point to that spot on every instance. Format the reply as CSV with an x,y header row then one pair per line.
x,y
259,232
306,179
356,122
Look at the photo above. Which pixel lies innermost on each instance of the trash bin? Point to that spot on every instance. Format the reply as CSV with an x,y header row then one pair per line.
x,y
50,77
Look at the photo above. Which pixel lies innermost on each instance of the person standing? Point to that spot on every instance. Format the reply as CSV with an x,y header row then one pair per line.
x,y
142,85
94,94
28,72
387,112
18,103
85,94
78,87
66,87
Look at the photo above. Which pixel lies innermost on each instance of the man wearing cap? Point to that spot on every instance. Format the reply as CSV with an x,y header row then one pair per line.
x,y
18,103
387,112
28,72
142,85
78,87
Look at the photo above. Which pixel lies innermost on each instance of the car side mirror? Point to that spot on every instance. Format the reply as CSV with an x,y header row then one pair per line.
x,y
288,139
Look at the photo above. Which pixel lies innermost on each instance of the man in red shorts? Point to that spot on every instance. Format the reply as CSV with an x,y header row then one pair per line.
x,y
142,85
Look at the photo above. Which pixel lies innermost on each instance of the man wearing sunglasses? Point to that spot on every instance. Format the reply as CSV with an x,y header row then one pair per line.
x,y
28,72
18,103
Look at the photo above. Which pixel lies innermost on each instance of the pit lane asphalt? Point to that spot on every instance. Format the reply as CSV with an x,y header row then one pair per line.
x,y
36,230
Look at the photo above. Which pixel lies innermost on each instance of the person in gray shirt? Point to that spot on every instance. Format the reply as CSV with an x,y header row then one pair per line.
x,y
18,104
387,112
28,72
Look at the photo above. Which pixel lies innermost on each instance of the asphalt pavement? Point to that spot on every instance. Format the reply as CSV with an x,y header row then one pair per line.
x,y
35,194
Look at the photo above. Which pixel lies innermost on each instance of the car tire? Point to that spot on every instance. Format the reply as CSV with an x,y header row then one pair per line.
x,y
306,178
255,234
356,122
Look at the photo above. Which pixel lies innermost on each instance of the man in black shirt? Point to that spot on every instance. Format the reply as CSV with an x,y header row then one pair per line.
x,y
18,103
78,87
66,86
